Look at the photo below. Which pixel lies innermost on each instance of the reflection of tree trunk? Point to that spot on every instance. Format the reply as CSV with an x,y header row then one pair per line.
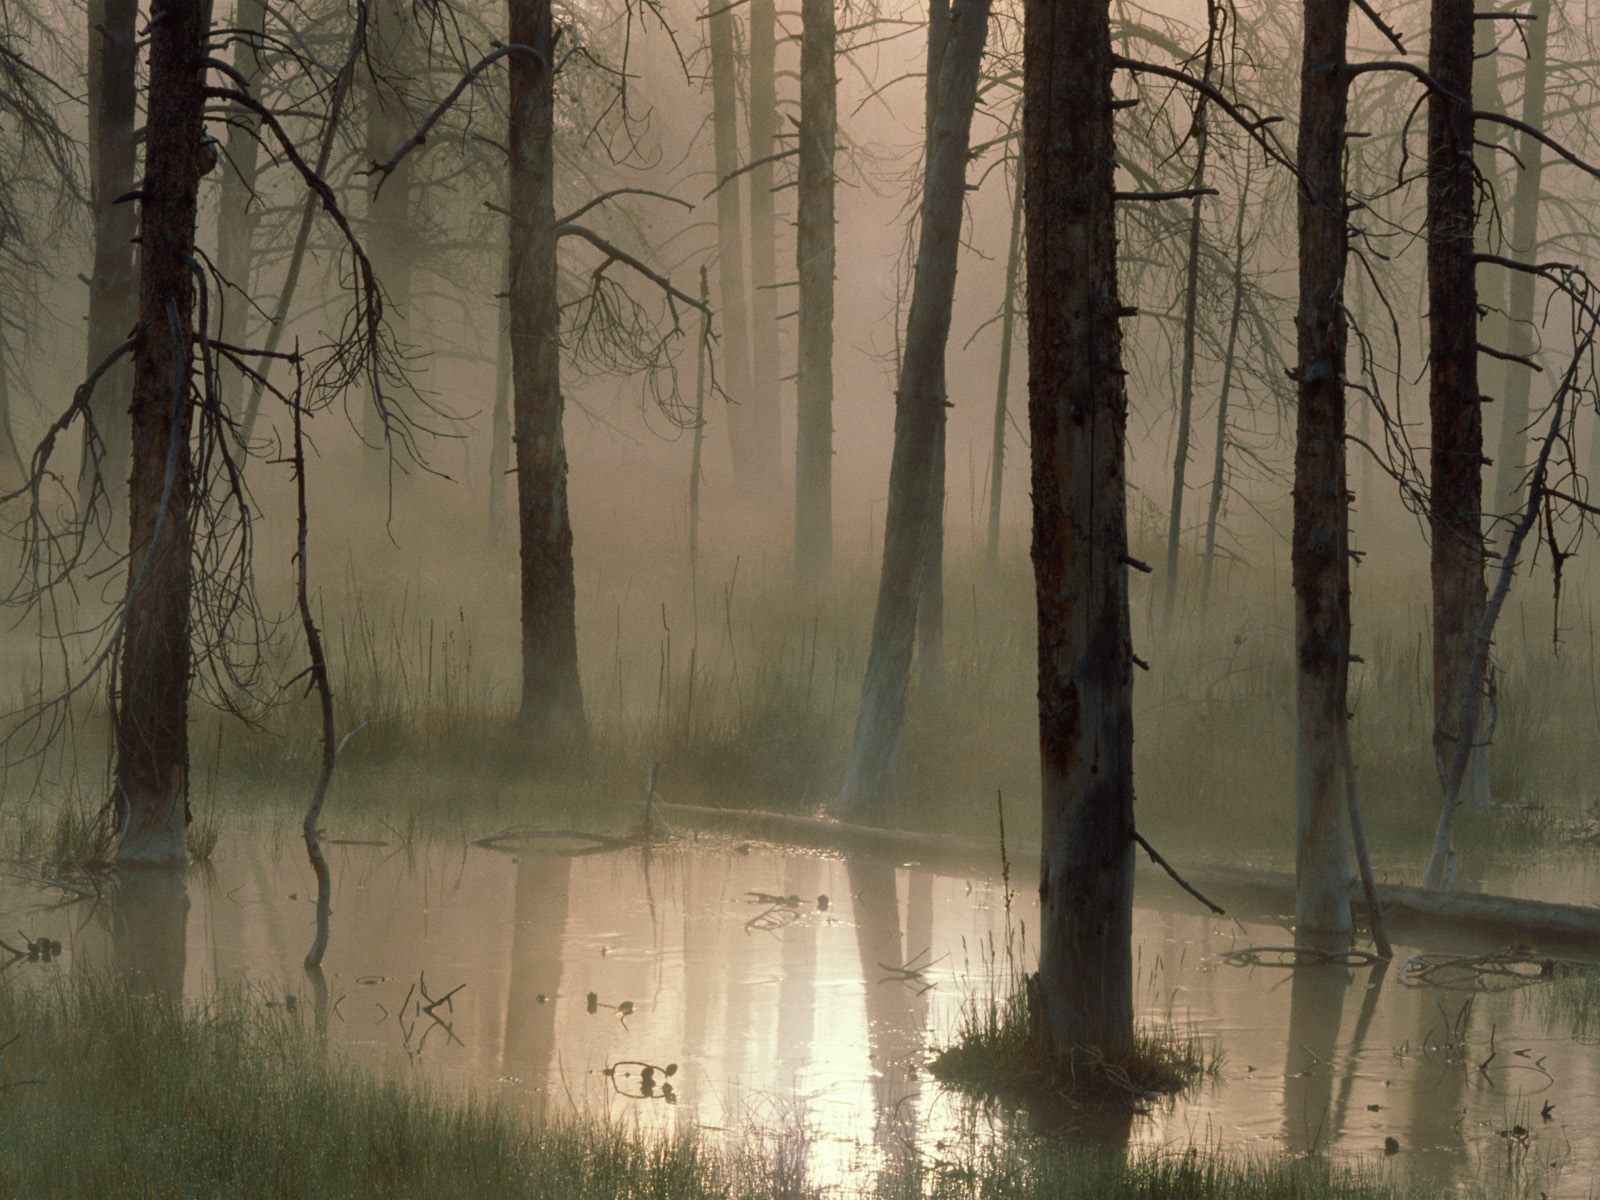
x,y
552,696
892,1033
543,884
814,253
763,114
1008,327
1321,538
152,728
1316,1001
919,422
1454,406
732,301
149,927
113,289
797,993
1077,414
239,211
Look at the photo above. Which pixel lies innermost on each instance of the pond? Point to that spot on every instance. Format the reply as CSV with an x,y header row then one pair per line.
x,y
737,986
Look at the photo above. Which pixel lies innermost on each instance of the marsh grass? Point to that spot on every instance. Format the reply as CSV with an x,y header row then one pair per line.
x,y
112,1094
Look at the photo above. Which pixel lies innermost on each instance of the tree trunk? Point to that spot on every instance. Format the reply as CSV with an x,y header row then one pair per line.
x,y
1320,549
1219,462
113,288
500,420
1454,408
239,212
152,712
1512,459
930,612
814,254
919,420
12,468
765,428
1191,301
1077,419
734,304
552,698
1008,333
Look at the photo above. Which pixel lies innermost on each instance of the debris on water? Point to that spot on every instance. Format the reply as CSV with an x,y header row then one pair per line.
x,y
822,903
592,1005
541,998
639,1080
372,980
1391,1145
1546,1111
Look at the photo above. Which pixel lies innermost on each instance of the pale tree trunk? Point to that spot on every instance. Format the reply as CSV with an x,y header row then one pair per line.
x,y
1191,301
1082,996
815,257
765,428
919,421
1002,388
1454,408
1321,536
1219,462
930,612
552,697
113,288
733,305
239,212
151,796
1512,458
391,236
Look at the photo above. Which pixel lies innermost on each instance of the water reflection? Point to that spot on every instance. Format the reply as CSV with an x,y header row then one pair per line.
x,y
148,920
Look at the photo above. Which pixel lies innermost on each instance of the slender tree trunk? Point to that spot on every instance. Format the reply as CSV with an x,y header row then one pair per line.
x,y
1077,419
1219,462
552,698
1512,458
919,419
743,432
1321,535
152,713
1008,333
765,368
1191,301
814,253
239,212
697,446
500,421
930,612
1454,406
113,288
11,464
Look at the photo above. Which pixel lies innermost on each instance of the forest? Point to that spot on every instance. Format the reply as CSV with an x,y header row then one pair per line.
x,y
564,564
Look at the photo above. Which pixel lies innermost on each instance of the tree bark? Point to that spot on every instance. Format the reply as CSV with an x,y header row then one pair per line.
x,y
1008,333
815,258
1320,550
1191,301
1219,462
238,210
765,427
1454,407
734,302
151,797
113,288
1512,458
500,420
552,697
1077,419
919,421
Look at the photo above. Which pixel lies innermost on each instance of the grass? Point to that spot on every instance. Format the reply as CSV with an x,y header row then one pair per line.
x,y
111,1094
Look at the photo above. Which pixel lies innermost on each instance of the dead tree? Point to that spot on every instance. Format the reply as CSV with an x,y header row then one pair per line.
x,y
765,369
919,421
113,288
1082,996
152,703
239,208
1320,549
814,256
1002,387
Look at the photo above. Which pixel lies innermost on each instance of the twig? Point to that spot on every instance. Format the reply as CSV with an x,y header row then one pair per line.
x,y
1155,857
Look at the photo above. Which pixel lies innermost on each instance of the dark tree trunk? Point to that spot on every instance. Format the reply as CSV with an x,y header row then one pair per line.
x,y
152,711
238,210
552,698
733,306
1512,459
1454,409
1321,537
1077,419
765,428
919,421
930,613
11,465
1008,333
1191,301
500,420
113,288
814,254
